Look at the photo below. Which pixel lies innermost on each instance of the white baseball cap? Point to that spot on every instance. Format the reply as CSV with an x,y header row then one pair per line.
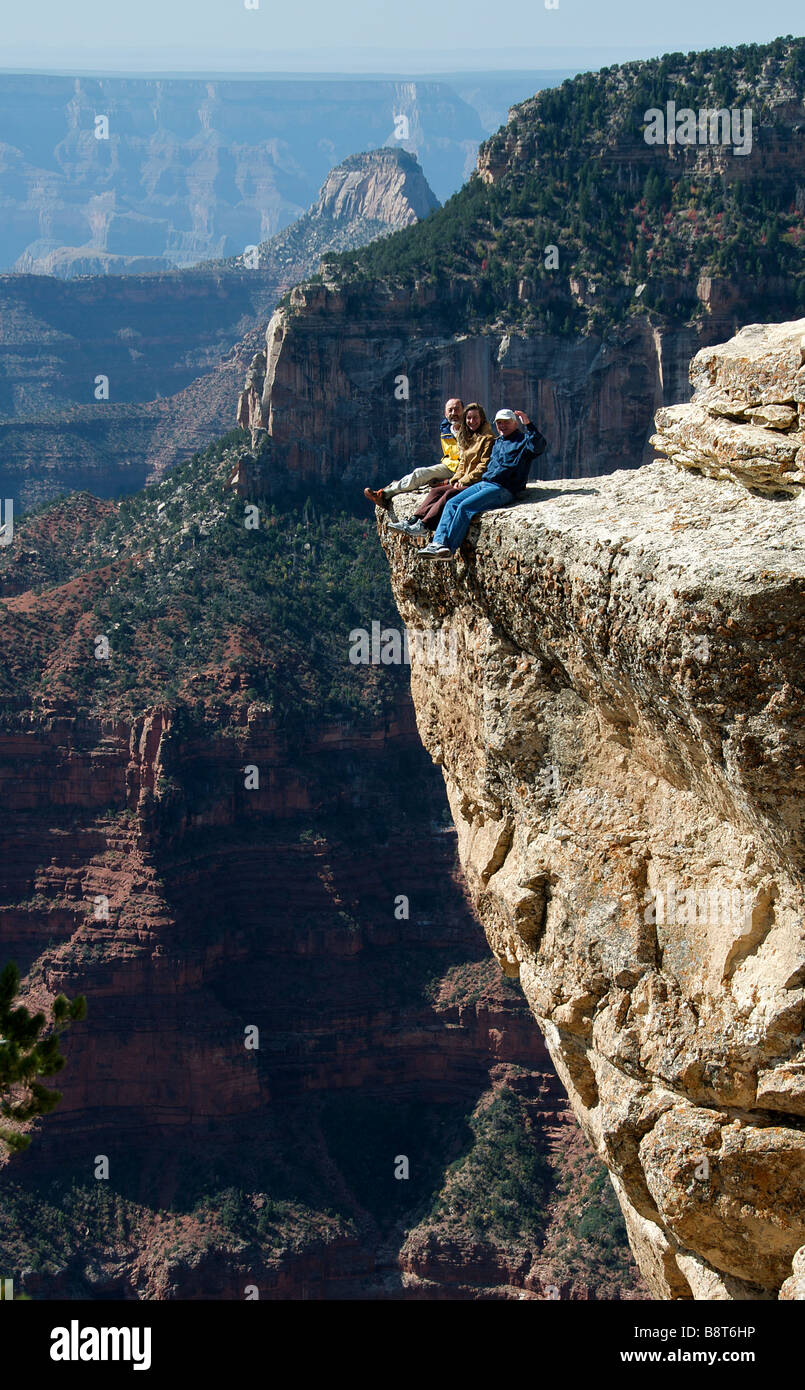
x,y
505,415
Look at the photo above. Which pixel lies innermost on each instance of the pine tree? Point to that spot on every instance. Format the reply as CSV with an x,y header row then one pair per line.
x,y
25,1055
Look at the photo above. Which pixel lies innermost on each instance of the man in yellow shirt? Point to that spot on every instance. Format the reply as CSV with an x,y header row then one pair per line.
x,y
433,473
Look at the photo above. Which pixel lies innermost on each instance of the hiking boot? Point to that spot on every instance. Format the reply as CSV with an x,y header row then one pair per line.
x,y
375,495
435,552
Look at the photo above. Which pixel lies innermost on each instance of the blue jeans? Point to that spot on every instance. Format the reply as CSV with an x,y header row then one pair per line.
x,y
459,511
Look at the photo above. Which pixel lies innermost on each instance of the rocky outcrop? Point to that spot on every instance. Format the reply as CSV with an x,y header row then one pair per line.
x,y
620,731
746,419
386,186
363,197
249,412
367,196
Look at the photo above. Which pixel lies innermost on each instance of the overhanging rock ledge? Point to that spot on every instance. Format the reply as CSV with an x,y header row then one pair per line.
x,y
617,710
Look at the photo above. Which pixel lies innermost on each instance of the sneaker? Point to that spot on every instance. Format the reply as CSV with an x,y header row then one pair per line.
x,y
400,526
417,528
435,552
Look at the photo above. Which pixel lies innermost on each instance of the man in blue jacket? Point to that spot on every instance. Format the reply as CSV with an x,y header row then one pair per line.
x,y
519,443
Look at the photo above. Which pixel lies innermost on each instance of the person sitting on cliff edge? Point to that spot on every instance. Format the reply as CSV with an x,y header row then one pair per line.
x,y
519,443
437,472
476,439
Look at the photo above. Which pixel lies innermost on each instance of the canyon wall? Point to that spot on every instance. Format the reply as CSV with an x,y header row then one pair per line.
x,y
198,877
620,732
172,349
137,870
333,402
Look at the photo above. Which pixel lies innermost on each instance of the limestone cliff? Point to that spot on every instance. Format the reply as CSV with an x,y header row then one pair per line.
x,y
331,397
386,184
619,726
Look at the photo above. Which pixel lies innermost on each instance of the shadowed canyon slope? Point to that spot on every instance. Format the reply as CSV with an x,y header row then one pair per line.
x,y
623,747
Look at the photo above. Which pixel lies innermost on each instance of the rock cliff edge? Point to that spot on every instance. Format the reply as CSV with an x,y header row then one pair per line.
x,y
616,705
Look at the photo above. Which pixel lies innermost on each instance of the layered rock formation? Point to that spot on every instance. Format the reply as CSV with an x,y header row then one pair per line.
x,y
189,914
365,196
319,904
746,419
621,737
386,186
333,400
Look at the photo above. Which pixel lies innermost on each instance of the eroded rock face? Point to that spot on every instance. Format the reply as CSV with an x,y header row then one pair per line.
x,y
334,362
384,184
746,419
616,707
201,167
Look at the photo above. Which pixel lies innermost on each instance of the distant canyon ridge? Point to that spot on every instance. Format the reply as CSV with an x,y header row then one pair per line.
x,y
121,174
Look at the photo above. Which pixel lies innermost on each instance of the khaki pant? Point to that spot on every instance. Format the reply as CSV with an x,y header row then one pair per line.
x,y
420,477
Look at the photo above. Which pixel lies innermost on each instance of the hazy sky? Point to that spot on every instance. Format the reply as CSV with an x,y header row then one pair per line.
x,y
361,35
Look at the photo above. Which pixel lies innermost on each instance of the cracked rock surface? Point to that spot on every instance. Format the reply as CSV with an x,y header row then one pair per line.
x,y
616,704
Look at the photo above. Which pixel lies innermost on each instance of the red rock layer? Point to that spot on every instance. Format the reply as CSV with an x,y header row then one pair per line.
x,y
138,870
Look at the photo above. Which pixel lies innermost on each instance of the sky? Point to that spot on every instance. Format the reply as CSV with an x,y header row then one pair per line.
x,y
405,36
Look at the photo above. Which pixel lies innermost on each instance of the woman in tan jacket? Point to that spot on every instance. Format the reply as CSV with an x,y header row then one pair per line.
x,y
475,439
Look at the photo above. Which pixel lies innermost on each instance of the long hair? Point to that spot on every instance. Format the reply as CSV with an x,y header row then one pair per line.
x,y
465,435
